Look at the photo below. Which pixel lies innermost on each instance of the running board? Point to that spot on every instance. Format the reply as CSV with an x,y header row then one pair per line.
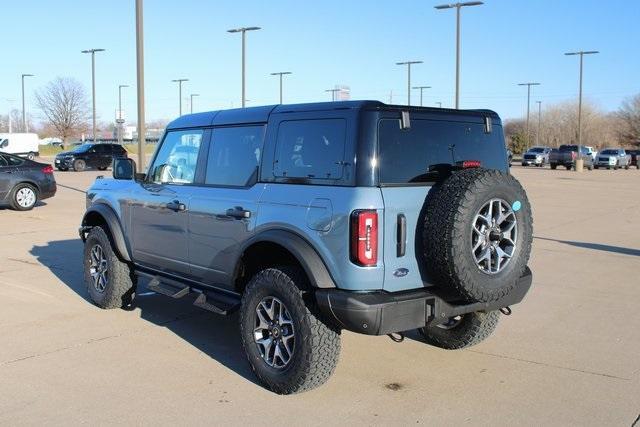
x,y
218,302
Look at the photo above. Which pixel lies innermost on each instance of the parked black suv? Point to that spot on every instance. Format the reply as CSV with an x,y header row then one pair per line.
x,y
98,155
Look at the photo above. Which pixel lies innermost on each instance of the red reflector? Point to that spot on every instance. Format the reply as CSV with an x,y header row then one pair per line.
x,y
47,169
471,164
364,237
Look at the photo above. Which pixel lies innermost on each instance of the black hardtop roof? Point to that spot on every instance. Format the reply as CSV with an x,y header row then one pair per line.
x,y
261,114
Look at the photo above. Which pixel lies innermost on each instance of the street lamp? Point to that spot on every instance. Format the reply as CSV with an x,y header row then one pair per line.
x,y
93,85
140,82
24,114
333,93
579,161
409,64
179,81
280,74
243,30
120,121
528,85
191,100
458,6
421,89
539,120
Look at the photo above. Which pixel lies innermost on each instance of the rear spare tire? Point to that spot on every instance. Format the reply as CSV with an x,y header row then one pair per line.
x,y
477,233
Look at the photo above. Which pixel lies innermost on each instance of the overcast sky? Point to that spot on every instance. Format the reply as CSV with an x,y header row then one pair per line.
x,y
324,43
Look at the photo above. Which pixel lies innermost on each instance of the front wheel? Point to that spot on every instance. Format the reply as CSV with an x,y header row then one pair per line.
x,y
568,167
289,347
79,165
461,331
109,280
553,166
597,167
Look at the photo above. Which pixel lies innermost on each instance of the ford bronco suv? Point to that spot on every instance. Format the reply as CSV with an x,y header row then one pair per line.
x,y
316,218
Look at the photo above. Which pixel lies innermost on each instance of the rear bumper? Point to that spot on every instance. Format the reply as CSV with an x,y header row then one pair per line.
x,y
379,313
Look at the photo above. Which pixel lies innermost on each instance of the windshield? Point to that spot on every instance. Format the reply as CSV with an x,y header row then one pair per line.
x,y
82,148
536,150
609,152
568,148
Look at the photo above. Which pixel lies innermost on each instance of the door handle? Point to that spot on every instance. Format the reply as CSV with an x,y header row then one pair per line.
x,y
176,206
239,213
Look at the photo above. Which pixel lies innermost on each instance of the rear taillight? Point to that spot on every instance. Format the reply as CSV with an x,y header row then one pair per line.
x,y
466,164
364,237
47,169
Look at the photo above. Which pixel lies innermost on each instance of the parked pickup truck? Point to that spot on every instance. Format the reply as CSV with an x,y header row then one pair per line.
x,y
566,155
613,158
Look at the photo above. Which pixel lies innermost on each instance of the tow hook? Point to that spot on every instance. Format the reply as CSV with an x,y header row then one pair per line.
x,y
396,337
506,311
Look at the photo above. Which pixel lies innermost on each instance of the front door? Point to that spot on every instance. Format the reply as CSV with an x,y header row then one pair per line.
x,y
160,205
223,211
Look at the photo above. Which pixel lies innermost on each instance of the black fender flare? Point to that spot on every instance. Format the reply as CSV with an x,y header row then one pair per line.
x,y
115,228
307,256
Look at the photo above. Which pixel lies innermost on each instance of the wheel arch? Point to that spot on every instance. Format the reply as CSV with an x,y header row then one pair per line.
x,y
277,247
103,215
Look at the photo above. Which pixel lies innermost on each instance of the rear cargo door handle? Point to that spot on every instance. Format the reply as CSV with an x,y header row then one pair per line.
x,y
239,213
176,206
401,235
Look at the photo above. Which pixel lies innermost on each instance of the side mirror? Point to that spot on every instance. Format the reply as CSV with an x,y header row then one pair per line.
x,y
124,168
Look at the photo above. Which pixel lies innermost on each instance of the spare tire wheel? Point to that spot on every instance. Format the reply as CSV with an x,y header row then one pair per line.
x,y
477,233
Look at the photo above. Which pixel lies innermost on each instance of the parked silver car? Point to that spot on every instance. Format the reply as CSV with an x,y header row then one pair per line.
x,y
536,156
613,158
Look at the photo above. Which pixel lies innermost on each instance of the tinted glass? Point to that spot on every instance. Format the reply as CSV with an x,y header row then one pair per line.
x,y
536,150
310,149
234,155
3,161
568,148
429,147
177,159
82,148
14,160
102,149
118,149
609,152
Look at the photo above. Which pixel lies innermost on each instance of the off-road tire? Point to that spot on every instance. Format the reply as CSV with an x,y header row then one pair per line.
x,y
121,283
449,213
79,165
316,345
471,330
13,198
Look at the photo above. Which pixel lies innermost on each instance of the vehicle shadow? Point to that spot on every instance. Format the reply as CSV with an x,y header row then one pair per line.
x,y
595,246
217,336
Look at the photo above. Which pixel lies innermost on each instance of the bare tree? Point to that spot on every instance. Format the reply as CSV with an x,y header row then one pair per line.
x,y
15,117
64,104
628,117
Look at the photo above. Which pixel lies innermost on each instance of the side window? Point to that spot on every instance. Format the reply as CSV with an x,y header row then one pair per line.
x,y
101,149
3,161
310,149
118,150
234,155
14,161
177,159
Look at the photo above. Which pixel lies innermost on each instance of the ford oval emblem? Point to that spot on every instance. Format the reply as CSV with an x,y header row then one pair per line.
x,y
401,272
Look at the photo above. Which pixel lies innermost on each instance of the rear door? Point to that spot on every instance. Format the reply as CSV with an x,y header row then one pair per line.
x,y
160,204
411,162
6,177
224,208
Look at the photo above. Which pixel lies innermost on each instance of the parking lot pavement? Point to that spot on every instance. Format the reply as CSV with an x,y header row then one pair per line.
x,y
568,355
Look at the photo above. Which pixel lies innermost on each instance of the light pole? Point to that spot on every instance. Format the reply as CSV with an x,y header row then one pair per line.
x,y
579,161
191,100
333,93
421,89
24,114
280,74
179,81
93,85
409,64
439,104
243,30
539,120
528,85
458,6
120,121
140,81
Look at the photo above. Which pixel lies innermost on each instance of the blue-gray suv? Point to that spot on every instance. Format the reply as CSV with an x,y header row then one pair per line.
x,y
310,219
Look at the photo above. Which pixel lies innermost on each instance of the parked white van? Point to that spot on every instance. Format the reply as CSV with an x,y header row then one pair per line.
x,y
21,144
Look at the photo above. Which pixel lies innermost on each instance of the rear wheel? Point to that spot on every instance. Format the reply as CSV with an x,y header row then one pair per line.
x,y
289,347
553,166
626,167
31,156
24,197
597,167
568,167
79,165
102,168
109,280
461,331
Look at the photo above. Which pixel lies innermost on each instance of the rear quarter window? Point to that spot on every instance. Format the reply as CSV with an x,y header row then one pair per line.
x,y
420,154
310,149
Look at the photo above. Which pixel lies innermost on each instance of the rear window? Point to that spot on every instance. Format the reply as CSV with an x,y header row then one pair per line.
x,y
421,153
311,149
